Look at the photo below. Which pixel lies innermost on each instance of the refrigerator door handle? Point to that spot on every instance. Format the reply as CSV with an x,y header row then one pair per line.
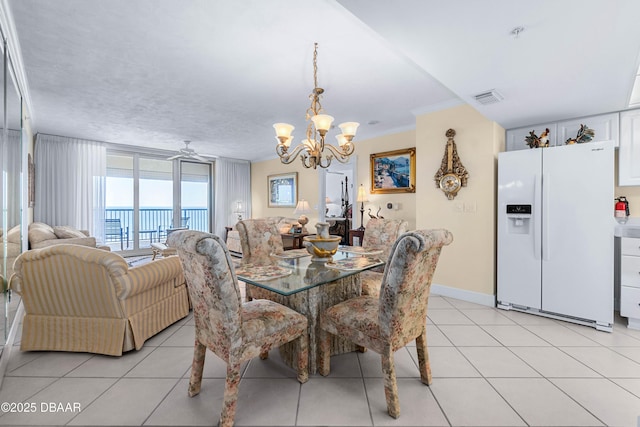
x,y
537,235
546,250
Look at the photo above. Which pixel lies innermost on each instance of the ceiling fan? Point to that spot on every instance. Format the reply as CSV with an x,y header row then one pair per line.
x,y
188,153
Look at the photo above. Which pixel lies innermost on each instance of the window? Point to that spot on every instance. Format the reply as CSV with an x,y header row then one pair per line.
x,y
147,198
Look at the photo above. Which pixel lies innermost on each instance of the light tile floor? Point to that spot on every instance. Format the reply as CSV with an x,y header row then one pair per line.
x,y
490,367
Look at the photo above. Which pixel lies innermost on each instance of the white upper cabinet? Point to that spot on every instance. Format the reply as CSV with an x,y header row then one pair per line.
x,y
516,137
605,128
629,153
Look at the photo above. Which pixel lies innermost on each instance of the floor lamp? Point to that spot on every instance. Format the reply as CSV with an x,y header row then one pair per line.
x,y
362,197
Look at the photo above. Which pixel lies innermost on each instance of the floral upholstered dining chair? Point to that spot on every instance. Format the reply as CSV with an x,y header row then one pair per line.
x,y
232,330
380,234
259,238
395,318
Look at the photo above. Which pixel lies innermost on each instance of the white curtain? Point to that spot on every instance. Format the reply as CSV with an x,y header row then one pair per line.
x,y
12,167
232,185
70,183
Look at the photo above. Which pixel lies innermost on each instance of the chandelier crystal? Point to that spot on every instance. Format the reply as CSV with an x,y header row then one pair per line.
x,y
312,149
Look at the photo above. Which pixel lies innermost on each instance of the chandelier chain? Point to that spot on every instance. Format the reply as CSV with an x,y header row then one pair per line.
x,y
315,66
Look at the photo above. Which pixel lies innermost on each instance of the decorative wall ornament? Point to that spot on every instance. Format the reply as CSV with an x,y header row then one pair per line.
x,y
534,141
585,134
452,175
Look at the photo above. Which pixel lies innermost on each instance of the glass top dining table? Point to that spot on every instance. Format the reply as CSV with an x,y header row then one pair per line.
x,y
293,271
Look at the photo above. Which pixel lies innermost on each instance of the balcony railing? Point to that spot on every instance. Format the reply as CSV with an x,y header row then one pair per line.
x,y
154,222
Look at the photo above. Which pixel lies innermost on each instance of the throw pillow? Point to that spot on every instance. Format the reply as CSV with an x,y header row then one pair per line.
x,y
13,236
39,232
67,232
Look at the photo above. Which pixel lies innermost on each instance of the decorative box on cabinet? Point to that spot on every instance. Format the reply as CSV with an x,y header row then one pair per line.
x,y
516,137
629,152
630,281
606,127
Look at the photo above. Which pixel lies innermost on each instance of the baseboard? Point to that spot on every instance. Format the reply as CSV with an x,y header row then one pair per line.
x,y
464,295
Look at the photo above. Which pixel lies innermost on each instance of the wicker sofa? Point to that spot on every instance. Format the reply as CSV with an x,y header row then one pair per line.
x,y
233,237
85,299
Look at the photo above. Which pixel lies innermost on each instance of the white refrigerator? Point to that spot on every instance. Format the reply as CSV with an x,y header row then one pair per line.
x,y
555,232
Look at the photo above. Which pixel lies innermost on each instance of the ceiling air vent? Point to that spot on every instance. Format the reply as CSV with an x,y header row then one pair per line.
x,y
490,97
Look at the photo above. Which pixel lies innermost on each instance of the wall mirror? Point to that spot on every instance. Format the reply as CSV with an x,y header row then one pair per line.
x,y
10,189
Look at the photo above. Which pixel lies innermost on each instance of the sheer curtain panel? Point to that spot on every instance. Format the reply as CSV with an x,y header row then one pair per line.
x,y
233,184
70,182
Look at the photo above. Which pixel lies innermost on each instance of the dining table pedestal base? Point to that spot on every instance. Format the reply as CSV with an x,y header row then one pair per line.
x,y
311,303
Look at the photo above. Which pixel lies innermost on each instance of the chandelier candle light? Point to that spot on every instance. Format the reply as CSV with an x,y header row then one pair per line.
x,y
311,150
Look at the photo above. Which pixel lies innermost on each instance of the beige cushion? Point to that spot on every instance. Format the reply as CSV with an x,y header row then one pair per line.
x,y
67,232
13,236
39,232
82,241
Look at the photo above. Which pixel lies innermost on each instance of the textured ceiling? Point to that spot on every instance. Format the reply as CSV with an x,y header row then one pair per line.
x,y
220,73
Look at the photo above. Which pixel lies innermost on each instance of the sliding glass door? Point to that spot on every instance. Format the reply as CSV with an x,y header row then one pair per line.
x,y
149,196
195,195
155,195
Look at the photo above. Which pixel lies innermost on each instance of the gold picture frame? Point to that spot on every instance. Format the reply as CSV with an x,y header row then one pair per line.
x,y
283,190
394,171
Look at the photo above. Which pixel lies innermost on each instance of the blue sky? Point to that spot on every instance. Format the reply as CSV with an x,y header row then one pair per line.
x,y
154,193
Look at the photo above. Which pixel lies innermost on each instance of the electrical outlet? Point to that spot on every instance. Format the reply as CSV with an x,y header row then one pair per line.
x,y
458,207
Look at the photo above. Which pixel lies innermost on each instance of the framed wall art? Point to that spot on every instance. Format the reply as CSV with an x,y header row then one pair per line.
x,y
283,190
394,171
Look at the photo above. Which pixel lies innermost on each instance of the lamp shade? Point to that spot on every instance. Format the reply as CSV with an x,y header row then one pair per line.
x,y
239,208
349,128
302,208
362,194
283,130
322,122
341,139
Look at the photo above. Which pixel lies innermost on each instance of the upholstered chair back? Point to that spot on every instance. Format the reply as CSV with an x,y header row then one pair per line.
x,y
234,331
259,238
382,233
407,282
213,288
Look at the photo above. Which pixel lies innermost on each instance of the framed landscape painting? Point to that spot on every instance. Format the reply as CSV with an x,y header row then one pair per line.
x,y
283,190
394,171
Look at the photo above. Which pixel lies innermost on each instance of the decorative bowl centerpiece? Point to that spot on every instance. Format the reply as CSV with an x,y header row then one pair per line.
x,y
322,246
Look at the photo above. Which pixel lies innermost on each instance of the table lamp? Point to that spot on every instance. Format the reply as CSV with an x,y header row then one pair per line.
x,y
239,210
362,197
302,208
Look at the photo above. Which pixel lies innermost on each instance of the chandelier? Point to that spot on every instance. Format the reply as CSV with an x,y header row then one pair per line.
x,y
312,149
